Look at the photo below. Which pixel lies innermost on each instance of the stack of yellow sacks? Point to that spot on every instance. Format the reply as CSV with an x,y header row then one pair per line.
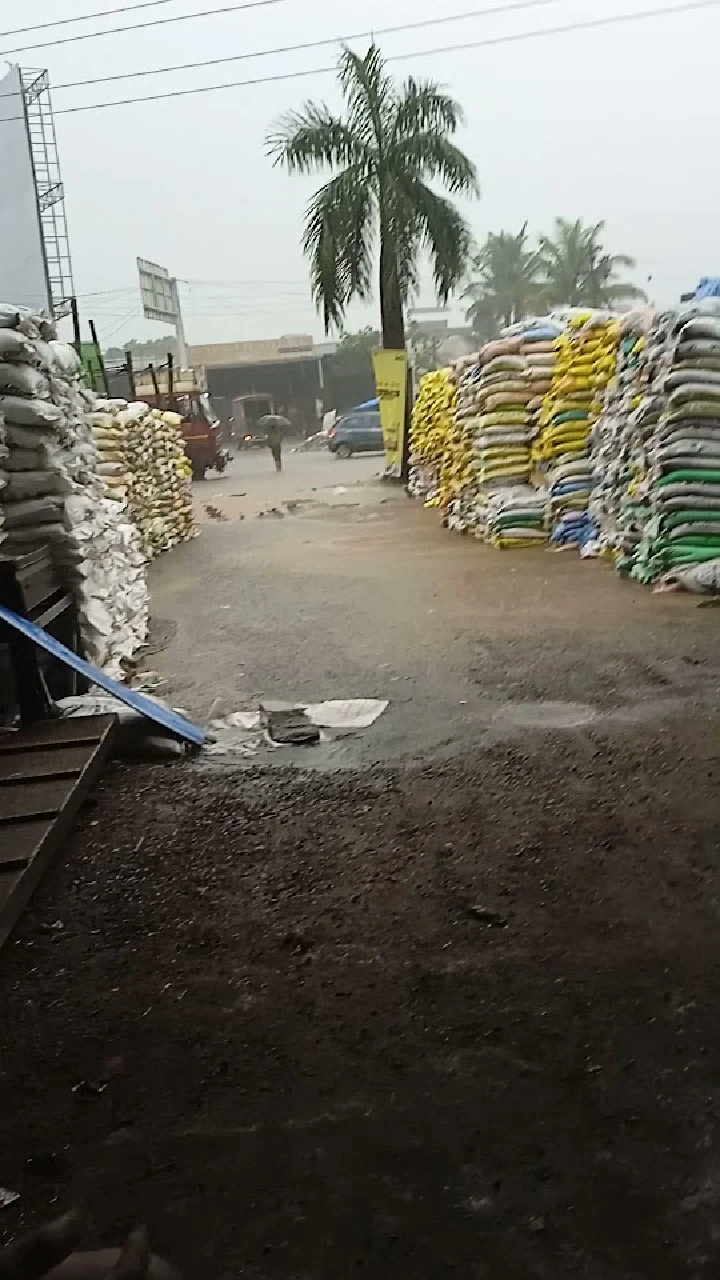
x,y
431,433
586,361
143,464
458,481
108,434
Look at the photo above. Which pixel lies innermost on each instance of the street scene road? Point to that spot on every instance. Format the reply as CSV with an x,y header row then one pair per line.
x,y
434,999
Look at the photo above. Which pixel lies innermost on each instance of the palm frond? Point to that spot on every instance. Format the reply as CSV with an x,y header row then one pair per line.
x,y
369,93
339,239
623,260
578,271
441,229
313,138
431,155
425,108
507,274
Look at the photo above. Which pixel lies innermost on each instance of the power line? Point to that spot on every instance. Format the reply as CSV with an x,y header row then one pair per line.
x,y
517,37
493,41
84,17
359,35
133,315
143,26
212,285
310,44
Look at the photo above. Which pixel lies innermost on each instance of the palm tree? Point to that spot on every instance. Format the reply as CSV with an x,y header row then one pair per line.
x,y
507,286
578,272
386,149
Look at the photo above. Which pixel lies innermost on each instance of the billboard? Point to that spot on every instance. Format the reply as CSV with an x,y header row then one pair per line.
x,y
23,264
157,292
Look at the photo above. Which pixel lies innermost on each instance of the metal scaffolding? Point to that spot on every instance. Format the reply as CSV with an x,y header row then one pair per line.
x,y
49,188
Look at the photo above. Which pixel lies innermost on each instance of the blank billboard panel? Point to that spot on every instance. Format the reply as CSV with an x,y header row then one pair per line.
x,y
156,290
23,270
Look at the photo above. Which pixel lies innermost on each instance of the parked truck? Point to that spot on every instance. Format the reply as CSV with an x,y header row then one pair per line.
x,y
183,391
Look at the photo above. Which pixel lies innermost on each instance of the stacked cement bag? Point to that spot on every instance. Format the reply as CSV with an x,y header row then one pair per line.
x,y
492,439
158,475
3,472
539,339
432,429
458,476
109,438
516,518
586,359
52,494
616,445
682,484
502,427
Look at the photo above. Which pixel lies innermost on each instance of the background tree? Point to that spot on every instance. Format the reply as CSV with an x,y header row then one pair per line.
x,y
391,143
506,288
577,271
425,349
353,353
142,350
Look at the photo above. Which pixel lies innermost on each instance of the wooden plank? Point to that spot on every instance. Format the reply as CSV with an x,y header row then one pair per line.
x,y
26,837
78,730
43,762
9,884
52,608
17,887
34,799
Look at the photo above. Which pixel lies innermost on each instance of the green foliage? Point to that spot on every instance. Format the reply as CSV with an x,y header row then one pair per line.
x,y
143,352
506,288
577,271
425,349
386,149
513,279
354,352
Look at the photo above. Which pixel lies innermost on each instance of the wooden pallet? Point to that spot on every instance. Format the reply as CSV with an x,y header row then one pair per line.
x,y
46,771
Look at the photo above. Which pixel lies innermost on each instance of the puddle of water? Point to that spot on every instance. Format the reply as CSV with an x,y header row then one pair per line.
x,y
546,715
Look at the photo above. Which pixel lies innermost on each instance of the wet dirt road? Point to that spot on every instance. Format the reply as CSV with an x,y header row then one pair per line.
x,y
443,1001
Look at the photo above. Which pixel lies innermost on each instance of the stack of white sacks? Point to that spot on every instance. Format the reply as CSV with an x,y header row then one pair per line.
x,y
52,494
3,472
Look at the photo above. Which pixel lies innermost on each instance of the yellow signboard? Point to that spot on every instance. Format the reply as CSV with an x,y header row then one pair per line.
x,y
391,381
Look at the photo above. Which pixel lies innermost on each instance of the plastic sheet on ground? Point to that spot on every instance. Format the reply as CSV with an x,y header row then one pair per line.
x,y
245,732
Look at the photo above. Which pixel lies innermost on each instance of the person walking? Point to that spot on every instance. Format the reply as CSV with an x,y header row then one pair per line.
x,y
274,427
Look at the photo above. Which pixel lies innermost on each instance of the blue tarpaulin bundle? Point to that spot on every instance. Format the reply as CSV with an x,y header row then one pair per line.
x,y
709,287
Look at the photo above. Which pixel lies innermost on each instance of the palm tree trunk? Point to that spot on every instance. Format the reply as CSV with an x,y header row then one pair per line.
x,y
392,319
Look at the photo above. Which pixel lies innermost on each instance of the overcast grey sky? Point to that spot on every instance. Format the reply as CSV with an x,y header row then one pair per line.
x,y
618,124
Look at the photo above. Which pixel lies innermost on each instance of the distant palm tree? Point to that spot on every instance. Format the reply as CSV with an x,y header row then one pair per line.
x,y
389,145
506,288
577,271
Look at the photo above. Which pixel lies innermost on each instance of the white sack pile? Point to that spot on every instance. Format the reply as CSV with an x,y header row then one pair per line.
x,y
143,462
3,472
52,493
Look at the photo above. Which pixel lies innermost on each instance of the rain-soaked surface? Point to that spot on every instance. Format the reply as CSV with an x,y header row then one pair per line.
x,y
437,999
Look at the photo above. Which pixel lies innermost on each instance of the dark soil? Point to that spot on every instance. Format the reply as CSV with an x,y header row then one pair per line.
x,y
455,1021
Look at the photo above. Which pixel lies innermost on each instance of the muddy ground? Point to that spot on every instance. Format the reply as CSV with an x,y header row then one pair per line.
x,y
445,1004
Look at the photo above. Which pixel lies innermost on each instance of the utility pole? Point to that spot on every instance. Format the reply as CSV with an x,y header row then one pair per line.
x,y
75,324
101,362
179,327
